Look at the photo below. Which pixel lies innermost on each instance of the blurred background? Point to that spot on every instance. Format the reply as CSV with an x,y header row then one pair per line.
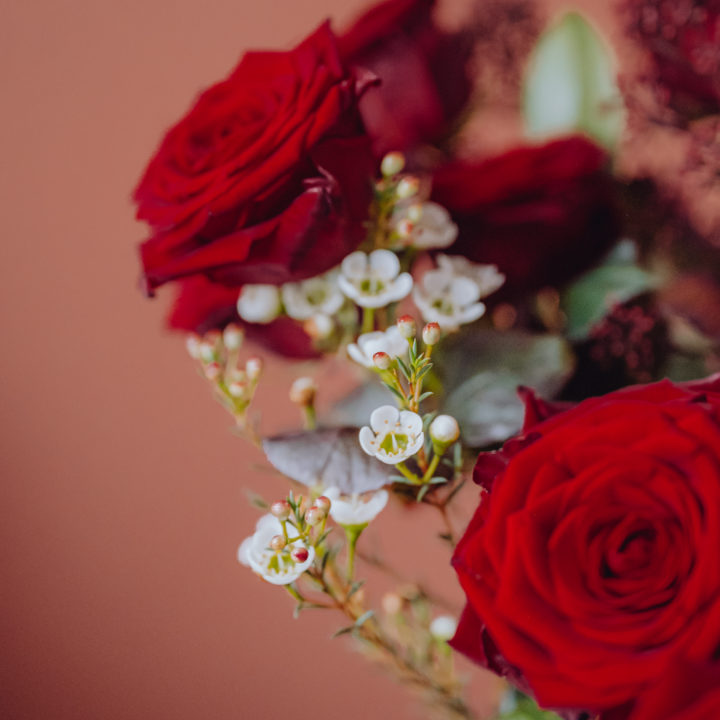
x,y
123,495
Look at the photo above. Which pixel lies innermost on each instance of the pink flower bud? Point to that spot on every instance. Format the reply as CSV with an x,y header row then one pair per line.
x,y
277,543
319,326
253,368
206,351
212,371
281,509
392,164
233,337
300,554
323,503
314,516
407,187
414,213
431,334
404,228
406,325
237,388
192,344
382,360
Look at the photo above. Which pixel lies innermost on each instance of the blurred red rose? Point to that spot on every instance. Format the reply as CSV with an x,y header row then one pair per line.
x,y
265,180
683,39
591,564
423,71
542,214
202,305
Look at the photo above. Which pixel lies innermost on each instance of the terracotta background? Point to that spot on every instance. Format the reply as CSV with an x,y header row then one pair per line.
x,y
122,497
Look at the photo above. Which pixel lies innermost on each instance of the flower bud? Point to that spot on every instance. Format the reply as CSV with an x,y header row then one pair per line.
x,y
444,431
431,334
277,543
237,388
382,360
443,627
404,228
253,368
391,603
407,187
299,554
259,303
319,326
314,516
392,164
212,371
414,213
192,344
206,351
302,392
281,509
323,503
233,337
406,325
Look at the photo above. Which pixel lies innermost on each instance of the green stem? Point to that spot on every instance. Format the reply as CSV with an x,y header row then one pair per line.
x,y
414,479
352,533
295,593
431,468
310,417
368,320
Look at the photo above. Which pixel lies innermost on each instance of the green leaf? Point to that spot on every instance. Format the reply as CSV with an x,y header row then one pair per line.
x,y
423,492
364,618
343,631
404,369
590,297
425,396
355,587
571,84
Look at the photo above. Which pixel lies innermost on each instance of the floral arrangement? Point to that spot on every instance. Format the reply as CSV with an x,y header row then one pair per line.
x,y
536,311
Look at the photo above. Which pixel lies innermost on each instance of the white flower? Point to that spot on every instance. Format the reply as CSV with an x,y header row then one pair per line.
x,y
317,296
450,294
390,341
259,303
443,627
355,509
393,435
277,567
372,280
434,229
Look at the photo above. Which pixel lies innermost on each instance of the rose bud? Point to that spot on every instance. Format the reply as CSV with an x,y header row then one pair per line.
x,y
232,337
407,326
281,509
431,334
323,503
302,391
407,187
192,345
277,543
444,431
314,516
253,368
300,554
382,360
392,164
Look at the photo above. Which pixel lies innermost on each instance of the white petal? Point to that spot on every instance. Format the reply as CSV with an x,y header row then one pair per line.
x,y
295,301
243,553
348,289
414,445
384,418
464,291
470,313
436,282
357,355
411,422
401,287
368,441
355,265
397,345
384,264
366,341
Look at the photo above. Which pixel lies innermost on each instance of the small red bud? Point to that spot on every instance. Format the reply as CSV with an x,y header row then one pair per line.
x,y
299,554
281,509
431,334
382,360
314,516
407,326
323,503
212,371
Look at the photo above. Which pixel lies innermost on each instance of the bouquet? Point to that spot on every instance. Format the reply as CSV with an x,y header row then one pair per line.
x,y
528,320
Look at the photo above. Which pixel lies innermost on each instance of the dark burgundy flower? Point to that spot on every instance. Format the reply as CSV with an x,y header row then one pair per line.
x,y
424,81
590,566
265,180
542,213
202,305
683,39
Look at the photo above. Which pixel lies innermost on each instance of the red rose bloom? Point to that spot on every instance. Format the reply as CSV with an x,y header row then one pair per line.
x,y
683,39
424,82
591,564
265,180
540,213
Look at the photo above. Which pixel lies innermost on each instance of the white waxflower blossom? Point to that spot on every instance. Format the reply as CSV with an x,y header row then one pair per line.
x,y
355,509
317,296
393,436
372,280
275,566
259,303
443,627
390,341
434,228
450,295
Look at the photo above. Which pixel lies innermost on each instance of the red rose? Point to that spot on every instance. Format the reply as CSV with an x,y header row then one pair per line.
x,y
424,81
683,40
265,180
540,213
591,564
202,305
688,691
